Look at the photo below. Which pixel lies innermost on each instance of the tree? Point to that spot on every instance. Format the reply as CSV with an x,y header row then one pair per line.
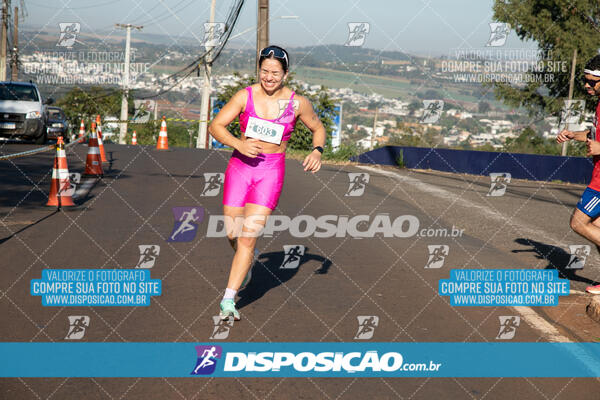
x,y
469,124
558,27
301,137
530,142
484,107
79,103
179,134
414,106
374,104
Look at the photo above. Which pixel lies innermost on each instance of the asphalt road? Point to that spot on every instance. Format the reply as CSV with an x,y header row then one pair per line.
x,y
338,279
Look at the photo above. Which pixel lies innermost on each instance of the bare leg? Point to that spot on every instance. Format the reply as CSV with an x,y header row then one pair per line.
x,y
233,243
255,217
233,214
586,227
596,223
590,229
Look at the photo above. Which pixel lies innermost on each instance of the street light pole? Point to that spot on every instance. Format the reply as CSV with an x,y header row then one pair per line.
x,y
374,126
3,40
125,98
203,124
571,83
14,69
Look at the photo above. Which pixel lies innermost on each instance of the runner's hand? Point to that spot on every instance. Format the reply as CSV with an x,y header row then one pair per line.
x,y
564,136
312,162
250,147
593,147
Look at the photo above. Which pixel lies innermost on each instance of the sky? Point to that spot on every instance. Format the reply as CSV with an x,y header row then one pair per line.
x,y
421,27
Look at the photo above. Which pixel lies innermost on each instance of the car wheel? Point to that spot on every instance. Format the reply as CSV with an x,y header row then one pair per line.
x,y
42,139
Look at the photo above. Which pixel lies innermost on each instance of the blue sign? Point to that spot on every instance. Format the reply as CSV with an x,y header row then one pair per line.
x,y
215,107
336,134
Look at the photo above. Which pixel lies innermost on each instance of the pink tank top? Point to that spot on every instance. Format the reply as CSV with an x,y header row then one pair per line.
x,y
287,118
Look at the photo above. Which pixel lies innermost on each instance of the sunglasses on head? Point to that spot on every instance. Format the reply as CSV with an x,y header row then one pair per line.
x,y
591,82
275,52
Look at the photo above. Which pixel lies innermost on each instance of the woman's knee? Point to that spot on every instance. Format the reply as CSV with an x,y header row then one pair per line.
x,y
233,225
246,241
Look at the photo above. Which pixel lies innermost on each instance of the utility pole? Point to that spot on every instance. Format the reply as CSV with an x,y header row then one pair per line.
x,y
262,29
125,98
3,40
374,125
571,83
14,69
203,124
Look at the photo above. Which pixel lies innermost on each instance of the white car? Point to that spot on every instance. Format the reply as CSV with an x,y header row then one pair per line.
x,y
22,111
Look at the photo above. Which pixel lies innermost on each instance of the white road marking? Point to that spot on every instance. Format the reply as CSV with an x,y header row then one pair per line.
x,y
84,188
533,319
447,195
528,314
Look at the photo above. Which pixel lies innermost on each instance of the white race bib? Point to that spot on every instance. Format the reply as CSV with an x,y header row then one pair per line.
x,y
266,131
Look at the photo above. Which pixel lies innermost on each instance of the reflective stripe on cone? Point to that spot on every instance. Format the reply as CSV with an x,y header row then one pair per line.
x,y
60,187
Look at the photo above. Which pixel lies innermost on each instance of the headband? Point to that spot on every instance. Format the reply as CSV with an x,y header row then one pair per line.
x,y
594,72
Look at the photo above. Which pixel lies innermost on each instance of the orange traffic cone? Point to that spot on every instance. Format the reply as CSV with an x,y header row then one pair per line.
x,y
100,144
93,163
81,131
134,139
163,141
60,195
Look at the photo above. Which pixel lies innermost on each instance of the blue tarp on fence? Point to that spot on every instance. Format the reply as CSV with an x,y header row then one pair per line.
x,y
520,166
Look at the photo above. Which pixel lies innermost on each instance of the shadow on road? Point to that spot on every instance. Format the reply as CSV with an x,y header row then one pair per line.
x,y
267,274
28,226
26,181
557,259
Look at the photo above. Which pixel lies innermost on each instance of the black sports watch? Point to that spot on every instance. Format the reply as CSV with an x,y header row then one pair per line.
x,y
318,148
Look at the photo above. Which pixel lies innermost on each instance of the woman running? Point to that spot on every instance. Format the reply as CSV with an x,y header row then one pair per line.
x,y
267,111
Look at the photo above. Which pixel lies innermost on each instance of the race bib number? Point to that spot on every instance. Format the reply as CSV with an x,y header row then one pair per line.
x,y
266,131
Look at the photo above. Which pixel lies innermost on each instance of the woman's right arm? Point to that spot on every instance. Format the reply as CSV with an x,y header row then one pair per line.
x,y
229,112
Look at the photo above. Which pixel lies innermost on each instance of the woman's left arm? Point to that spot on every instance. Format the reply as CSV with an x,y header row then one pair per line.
x,y
307,115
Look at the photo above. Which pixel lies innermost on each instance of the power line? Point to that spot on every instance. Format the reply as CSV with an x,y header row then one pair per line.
x,y
76,8
229,25
230,22
153,20
195,64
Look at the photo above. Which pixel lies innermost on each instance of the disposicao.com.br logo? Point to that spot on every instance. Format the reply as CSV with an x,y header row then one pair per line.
x,y
324,226
370,361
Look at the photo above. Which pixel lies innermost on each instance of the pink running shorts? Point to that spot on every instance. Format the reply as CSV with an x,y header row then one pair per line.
x,y
254,180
